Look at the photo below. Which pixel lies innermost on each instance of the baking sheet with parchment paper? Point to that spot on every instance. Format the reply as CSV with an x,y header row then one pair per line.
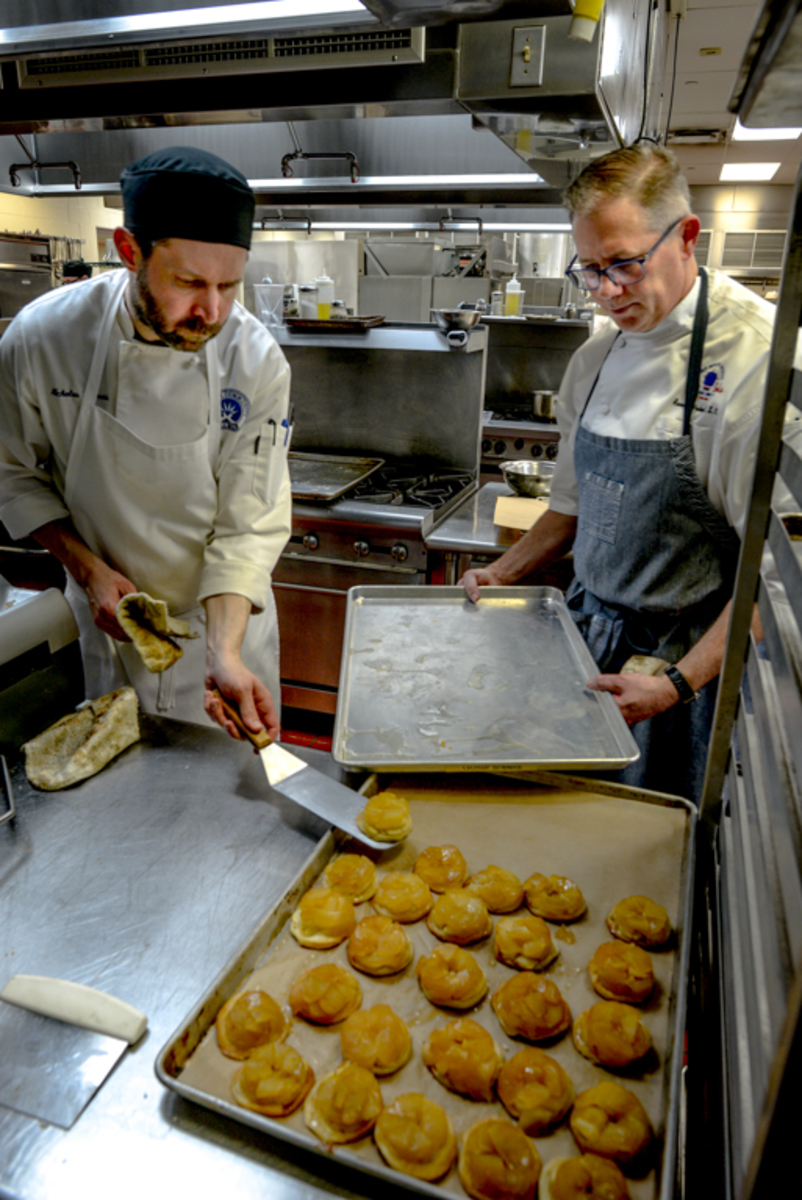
x,y
610,846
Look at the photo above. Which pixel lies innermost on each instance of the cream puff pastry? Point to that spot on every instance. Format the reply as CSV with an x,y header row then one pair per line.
x,y
497,1161
344,1105
273,1081
535,1089
622,971
450,977
523,942
554,898
464,1057
459,917
583,1177
377,1039
385,818
325,994
352,874
402,896
248,1020
379,946
501,891
441,868
639,919
323,918
531,1007
610,1120
611,1034
415,1135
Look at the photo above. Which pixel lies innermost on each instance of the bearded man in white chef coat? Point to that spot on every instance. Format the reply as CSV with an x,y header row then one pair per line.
x,y
143,441
658,416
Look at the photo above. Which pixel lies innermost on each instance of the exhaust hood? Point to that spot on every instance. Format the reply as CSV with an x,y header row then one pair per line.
x,y
229,67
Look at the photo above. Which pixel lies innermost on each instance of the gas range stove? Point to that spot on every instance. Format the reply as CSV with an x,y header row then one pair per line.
x,y
509,435
390,512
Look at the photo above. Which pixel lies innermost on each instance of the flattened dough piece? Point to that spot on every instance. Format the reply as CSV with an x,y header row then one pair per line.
x,y
152,630
83,742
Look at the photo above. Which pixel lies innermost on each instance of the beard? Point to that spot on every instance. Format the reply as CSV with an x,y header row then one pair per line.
x,y
187,335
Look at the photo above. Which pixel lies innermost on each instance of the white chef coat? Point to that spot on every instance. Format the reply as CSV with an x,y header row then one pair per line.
x,y
640,392
161,400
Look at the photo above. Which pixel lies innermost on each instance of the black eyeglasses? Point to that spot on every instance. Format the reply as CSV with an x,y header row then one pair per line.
x,y
629,270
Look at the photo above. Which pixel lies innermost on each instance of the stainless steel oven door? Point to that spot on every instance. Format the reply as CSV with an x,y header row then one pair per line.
x,y
311,597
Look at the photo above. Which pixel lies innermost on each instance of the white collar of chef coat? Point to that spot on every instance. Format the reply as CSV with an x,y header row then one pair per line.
x,y
678,322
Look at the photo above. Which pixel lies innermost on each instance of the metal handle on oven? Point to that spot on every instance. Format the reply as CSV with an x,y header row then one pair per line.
x,y
9,791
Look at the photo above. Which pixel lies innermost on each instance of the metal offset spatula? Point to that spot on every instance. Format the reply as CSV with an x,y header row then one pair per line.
x,y
295,779
59,1040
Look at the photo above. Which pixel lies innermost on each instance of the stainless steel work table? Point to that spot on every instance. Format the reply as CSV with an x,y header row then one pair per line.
x,y
470,530
144,881
469,533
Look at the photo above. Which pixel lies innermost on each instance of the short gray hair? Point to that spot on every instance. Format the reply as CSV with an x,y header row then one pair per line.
x,y
646,173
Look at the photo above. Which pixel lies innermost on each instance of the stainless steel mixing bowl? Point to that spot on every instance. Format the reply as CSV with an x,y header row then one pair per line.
x,y
448,319
528,478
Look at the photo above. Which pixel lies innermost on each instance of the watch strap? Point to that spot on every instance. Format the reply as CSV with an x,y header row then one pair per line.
x,y
686,692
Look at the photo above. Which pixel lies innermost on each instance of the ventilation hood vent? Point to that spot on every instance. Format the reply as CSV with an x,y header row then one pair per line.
x,y
223,56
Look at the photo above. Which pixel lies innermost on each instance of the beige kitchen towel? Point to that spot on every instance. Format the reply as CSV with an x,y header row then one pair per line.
x,y
83,742
152,630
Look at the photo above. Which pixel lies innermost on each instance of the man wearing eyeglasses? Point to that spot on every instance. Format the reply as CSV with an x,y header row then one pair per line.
x,y
658,416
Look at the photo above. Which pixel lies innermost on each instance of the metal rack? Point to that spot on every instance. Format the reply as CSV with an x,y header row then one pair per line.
x,y
745,1032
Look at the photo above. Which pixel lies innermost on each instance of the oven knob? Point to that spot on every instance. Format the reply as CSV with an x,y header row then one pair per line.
x,y
499,447
537,450
518,443
400,552
311,541
487,445
362,548
551,450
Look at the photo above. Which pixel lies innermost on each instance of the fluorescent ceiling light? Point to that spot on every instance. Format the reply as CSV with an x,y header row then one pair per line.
x,y
741,134
352,226
748,172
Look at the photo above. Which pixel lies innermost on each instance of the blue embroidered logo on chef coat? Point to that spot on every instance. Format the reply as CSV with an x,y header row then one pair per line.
x,y
234,408
711,381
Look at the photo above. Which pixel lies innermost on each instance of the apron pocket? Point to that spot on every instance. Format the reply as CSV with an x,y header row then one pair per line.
x,y
601,505
269,453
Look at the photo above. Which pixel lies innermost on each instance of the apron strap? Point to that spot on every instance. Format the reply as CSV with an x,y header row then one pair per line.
x,y
89,397
697,348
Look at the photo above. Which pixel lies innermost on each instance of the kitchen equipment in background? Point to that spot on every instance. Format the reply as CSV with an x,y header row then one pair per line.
x,y
295,779
527,478
455,323
497,304
291,304
396,392
326,477
543,406
269,302
325,296
60,1040
307,301
512,298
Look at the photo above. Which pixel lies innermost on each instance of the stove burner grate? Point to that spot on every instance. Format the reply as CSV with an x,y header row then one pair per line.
x,y
396,484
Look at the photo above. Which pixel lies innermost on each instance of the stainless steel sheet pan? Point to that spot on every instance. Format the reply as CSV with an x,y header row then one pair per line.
x,y
431,681
615,841
326,477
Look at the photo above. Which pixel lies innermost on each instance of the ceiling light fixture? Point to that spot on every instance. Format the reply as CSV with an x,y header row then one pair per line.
x,y
351,226
741,134
755,172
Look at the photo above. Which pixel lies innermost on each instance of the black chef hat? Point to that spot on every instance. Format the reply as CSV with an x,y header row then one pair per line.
x,y
181,192
76,268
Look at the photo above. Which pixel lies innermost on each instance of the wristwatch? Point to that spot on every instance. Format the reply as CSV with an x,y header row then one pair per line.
x,y
686,693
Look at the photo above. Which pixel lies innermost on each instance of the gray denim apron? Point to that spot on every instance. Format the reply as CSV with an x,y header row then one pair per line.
x,y
655,563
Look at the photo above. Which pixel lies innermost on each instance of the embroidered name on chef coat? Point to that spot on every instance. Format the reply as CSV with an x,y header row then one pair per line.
x,y
234,408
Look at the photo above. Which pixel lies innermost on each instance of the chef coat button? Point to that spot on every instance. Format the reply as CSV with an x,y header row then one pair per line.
x,y
604,408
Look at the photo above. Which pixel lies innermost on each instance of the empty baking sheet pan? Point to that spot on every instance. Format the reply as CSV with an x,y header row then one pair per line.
x,y
326,477
430,680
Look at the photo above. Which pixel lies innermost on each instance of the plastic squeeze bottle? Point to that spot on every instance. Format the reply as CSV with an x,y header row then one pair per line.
x,y
325,295
512,298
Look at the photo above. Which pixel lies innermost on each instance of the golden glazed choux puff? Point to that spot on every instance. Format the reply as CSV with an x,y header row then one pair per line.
x,y
415,1136
523,942
273,1081
622,971
402,896
379,946
385,818
535,1089
323,918
464,1057
583,1177
377,1039
531,1007
325,994
344,1105
451,977
459,917
352,874
639,919
610,1120
441,868
498,1162
501,891
554,898
248,1020
611,1034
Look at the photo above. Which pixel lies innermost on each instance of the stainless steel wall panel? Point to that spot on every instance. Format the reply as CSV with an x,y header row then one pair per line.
x,y
790,461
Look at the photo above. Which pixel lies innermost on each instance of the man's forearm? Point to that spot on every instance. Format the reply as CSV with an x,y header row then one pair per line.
x,y
703,661
548,540
226,623
64,542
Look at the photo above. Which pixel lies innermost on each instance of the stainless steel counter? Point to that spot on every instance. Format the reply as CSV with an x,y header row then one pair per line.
x,y
144,881
470,528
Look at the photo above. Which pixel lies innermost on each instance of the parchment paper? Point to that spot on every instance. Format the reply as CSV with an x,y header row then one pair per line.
x,y
611,847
